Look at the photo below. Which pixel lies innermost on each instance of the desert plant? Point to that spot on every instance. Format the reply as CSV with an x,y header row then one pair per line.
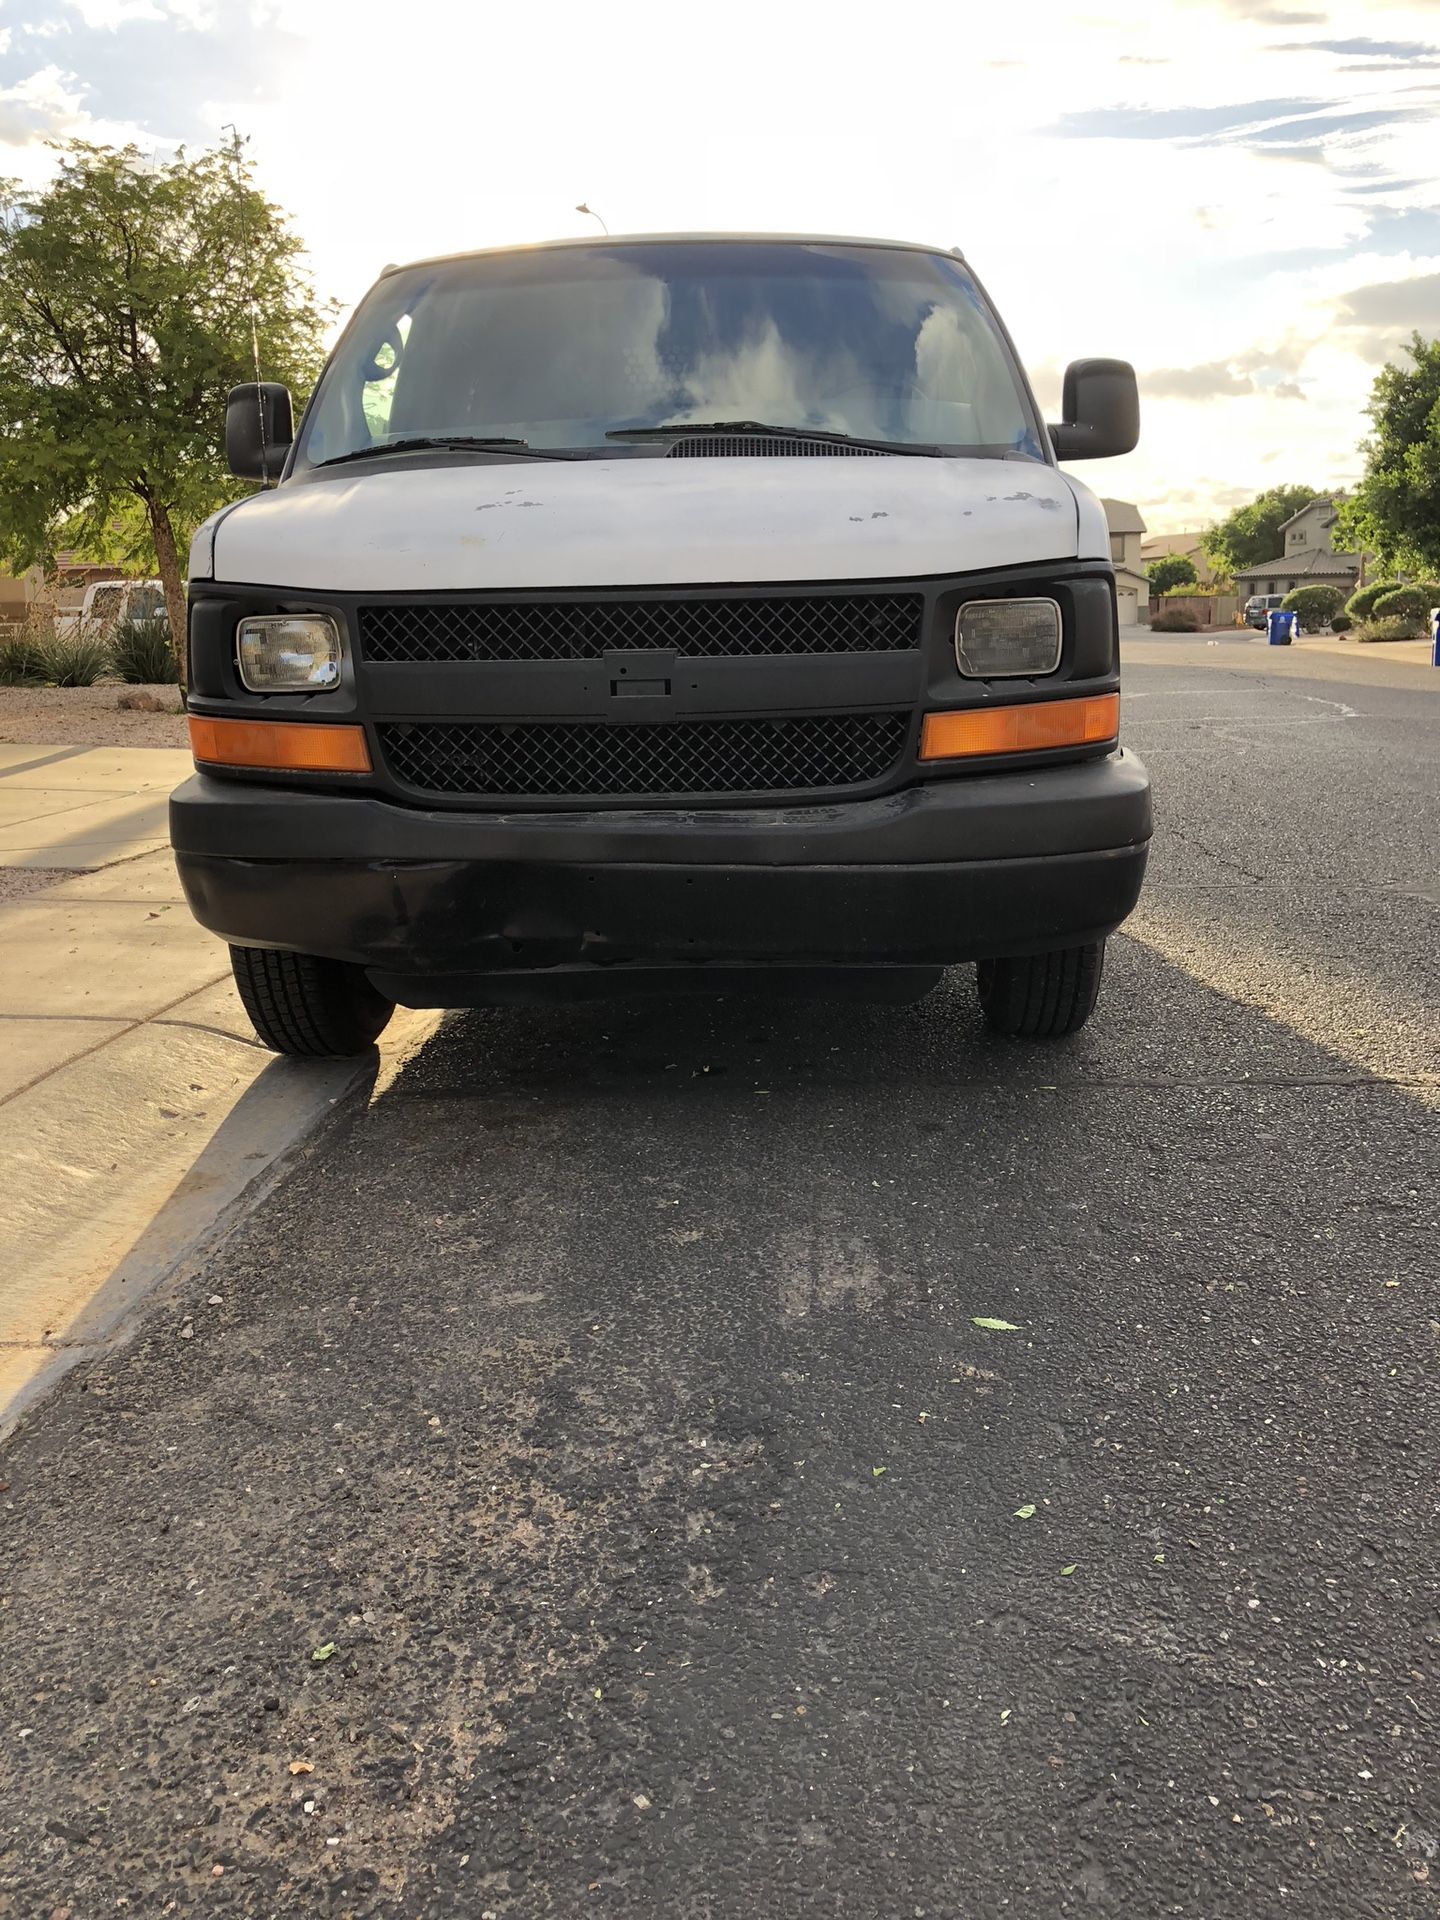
x,y
1175,622
76,659
1386,629
141,653
22,659
1361,603
1340,623
1315,604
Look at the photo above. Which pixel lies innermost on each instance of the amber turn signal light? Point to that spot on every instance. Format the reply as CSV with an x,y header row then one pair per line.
x,y
280,746
1036,728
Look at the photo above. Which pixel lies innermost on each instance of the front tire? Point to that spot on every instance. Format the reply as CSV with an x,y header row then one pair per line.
x,y
1041,996
310,1008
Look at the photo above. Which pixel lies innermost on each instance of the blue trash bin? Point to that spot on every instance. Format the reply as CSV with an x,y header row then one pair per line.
x,y
1281,627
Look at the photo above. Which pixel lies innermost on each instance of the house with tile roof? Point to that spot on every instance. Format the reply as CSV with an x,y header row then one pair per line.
x,y
1160,546
1309,558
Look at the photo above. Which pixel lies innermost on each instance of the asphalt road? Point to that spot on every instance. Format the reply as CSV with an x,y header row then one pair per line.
x,y
584,1488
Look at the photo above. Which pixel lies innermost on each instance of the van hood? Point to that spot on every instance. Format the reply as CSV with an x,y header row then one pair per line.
x,y
649,522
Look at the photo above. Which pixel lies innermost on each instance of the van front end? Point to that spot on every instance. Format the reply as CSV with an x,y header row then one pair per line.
x,y
778,785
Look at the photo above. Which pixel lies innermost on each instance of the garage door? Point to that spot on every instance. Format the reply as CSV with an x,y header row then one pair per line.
x,y
1126,605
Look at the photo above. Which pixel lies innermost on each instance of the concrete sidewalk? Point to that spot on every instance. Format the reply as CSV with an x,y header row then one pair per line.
x,y
136,1107
1414,653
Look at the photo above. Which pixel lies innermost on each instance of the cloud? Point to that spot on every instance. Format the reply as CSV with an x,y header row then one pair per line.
x,y
1366,49
1319,126
1254,370
1393,304
147,66
1388,186
1176,123
1211,382
1272,16
41,107
1308,156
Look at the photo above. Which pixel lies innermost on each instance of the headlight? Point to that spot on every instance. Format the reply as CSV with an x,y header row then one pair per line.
x,y
289,653
1007,639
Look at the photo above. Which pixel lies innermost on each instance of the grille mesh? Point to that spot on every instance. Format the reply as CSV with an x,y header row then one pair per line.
x,y
427,632
754,446
558,759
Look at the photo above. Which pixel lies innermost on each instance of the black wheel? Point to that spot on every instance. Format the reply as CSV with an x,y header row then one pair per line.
x,y
1041,995
306,1006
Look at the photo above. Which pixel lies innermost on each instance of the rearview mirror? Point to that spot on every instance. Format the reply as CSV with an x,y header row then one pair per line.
x,y
1102,411
259,427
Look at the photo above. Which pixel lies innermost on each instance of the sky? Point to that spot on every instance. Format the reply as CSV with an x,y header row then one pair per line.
x,y
1242,197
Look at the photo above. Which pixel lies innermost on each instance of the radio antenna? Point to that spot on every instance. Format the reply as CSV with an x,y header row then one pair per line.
x,y
238,143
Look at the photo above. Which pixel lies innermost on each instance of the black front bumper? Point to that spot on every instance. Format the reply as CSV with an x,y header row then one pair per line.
x,y
447,909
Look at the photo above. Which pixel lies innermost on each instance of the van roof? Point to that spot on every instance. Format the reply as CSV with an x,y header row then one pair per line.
x,y
672,239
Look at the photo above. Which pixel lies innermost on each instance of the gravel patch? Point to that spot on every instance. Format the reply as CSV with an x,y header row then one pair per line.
x,y
17,882
91,716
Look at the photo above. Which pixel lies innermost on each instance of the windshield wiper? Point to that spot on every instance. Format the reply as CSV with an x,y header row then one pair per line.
x,y
675,428
464,442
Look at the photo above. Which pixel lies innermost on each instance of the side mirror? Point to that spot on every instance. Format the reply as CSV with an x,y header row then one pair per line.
x,y
259,427
1102,411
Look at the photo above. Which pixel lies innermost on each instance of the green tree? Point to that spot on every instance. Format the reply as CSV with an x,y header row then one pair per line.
x,y
1395,511
1170,570
126,295
1251,535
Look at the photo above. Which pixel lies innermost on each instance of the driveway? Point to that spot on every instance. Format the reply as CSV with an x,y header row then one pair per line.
x,y
598,1480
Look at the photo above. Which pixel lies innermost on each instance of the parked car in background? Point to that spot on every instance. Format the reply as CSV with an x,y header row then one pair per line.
x,y
1259,606
108,602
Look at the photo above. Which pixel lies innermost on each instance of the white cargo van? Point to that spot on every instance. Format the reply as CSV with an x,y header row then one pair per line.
x,y
660,614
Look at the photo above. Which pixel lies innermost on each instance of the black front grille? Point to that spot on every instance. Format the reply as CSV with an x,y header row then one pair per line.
x,y
431,631
754,446
535,759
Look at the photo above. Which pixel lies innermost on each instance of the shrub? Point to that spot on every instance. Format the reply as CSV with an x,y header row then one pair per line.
x,y
1411,603
1340,623
1315,604
1361,604
141,653
76,659
1378,629
22,660
1175,622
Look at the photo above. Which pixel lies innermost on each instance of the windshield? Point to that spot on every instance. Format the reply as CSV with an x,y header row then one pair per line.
x,y
557,348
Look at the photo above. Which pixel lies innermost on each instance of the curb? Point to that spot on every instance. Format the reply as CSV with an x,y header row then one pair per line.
x,y
291,1116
